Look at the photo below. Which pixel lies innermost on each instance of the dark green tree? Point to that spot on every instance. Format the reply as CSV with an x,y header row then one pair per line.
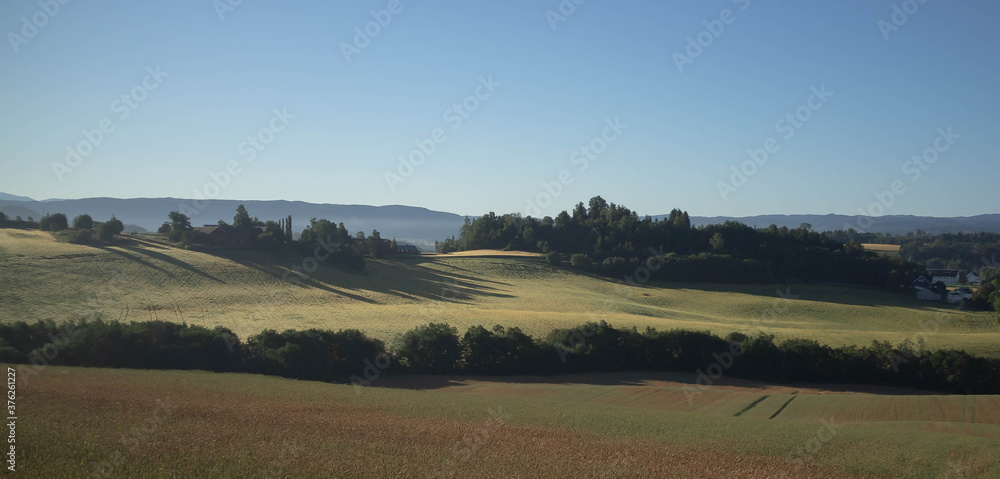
x,y
53,222
83,222
179,222
376,246
242,218
433,348
115,224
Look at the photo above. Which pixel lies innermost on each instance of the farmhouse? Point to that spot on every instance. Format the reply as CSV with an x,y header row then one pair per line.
x,y
928,295
231,235
972,278
923,281
957,295
946,276
407,249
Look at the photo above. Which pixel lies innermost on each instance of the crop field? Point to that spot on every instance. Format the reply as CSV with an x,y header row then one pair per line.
x,y
127,423
881,248
140,279
969,415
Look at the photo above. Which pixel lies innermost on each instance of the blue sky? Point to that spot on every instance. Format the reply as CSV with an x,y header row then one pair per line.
x,y
554,90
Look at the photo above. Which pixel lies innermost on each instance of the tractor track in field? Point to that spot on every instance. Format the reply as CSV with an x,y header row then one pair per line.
x,y
783,406
752,405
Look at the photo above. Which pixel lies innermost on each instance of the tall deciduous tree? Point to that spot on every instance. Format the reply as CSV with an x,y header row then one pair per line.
x,y
179,222
376,247
242,218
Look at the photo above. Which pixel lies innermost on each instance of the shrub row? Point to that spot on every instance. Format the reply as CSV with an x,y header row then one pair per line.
x,y
350,356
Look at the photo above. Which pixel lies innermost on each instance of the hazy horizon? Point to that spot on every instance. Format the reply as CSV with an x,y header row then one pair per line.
x,y
640,213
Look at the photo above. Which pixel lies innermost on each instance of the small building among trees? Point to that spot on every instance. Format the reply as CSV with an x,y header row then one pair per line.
x,y
407,249
232,235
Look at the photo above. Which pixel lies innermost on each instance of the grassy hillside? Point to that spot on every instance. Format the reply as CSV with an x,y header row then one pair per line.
x,y
41,278
123,423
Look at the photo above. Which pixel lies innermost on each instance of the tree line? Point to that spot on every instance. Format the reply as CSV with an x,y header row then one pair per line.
x,y
344,249
85,226
611,240
963,251
349,356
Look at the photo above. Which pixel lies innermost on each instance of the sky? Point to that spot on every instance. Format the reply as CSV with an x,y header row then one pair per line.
x,y
508,106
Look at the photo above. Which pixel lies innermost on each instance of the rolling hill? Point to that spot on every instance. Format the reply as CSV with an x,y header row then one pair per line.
x,y
140,279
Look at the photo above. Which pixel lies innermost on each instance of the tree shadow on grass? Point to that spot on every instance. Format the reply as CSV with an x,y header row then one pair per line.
x,y
171,260
136,259
409,279
403,279
843,294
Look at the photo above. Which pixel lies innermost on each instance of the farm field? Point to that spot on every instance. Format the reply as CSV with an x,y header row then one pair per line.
x,y
678,392
128,423
882,248
139,279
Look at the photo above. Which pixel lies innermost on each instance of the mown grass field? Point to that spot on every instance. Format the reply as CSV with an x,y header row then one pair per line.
x,y
125,423
243,290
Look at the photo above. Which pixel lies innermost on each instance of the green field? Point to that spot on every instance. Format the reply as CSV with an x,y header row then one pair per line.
x,y
125,423
76,421
139,279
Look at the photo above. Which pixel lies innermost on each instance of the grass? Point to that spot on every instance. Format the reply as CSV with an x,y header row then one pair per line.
x,y
140,279
191,424
971,415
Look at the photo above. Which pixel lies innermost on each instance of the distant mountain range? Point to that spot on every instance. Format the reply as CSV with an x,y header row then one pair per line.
x,y
9,197
406,223
894,224
422,226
